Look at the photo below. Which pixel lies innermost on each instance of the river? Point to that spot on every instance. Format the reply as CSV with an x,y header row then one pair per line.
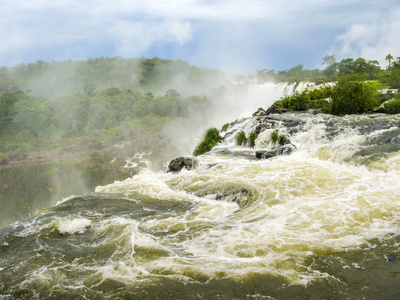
x,y
320,223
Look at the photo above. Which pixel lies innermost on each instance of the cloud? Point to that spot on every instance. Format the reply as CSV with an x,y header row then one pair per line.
x,y
134,38
372,40
258,33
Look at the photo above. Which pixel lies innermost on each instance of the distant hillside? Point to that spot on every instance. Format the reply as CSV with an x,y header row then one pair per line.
x,y
52,79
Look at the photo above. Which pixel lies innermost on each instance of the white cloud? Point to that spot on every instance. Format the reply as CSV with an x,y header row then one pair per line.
x,y
373,40
229,27
134,38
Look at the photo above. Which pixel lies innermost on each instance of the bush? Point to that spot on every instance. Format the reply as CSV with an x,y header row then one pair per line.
x,y
225,127
211,138
241,138
274,136
278,138
252,137
320,93
353,97
298,101
393,106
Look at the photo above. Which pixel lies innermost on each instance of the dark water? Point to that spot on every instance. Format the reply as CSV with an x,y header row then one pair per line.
x,y
320,223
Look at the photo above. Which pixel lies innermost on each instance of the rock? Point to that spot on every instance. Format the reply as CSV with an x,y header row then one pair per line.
x,y
177,164
391,258
275,151
263,154
239,196
276,108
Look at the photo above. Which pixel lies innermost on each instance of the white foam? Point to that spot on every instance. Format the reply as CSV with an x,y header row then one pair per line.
x,y
72,226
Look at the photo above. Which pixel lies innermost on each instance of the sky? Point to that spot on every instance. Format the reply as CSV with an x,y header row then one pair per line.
x,y
231,35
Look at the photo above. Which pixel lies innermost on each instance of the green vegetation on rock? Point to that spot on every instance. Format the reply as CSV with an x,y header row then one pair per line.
x,y
393,106
252,137
353,97
277,138
211,138
241,138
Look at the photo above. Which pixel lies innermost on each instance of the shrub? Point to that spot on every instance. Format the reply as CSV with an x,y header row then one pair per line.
x,y
252,137
211,138
274,136
278,138
352,97
320,93
225,127
241,138
393,106
282,139
298,101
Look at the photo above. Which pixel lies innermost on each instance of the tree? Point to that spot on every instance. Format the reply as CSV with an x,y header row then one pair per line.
x,y
389,58
328,60
352,97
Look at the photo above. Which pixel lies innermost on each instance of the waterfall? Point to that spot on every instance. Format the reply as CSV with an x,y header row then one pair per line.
x,y
242,100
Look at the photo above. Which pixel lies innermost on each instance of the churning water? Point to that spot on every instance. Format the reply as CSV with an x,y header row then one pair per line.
x,y
320,223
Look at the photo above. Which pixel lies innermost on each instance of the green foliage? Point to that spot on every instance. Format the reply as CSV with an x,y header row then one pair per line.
x,y
359,68
211,138
353,97
282,139
277,138
260,111
252,137
241,138
393,106
392,76
298,101
312,97
274,136
225,127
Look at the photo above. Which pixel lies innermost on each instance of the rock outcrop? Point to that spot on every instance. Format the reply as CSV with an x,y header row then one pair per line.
x,y
177,164
241,197
275,151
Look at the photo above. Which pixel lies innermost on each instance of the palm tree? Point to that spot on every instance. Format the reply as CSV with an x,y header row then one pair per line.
x,y
389,58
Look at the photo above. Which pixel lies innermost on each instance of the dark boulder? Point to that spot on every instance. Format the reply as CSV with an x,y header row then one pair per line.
x,y
276,108
177,164
275,151
241,197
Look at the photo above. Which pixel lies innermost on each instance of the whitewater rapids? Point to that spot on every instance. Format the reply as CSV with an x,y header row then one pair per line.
x,y
322,222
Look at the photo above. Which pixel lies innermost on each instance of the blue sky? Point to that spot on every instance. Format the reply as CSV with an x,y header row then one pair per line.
x,y
231,35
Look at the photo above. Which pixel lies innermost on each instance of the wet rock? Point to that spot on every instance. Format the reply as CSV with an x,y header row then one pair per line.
x,y
265,125
241,197
177,164
276,108
275,151
391,258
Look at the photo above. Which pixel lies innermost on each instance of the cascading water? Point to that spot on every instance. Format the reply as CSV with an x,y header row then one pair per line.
x,y
320,223
241,100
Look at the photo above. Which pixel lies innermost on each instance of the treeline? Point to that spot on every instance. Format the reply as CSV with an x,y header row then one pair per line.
x,y
75,98
353,69
77,76
23,116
